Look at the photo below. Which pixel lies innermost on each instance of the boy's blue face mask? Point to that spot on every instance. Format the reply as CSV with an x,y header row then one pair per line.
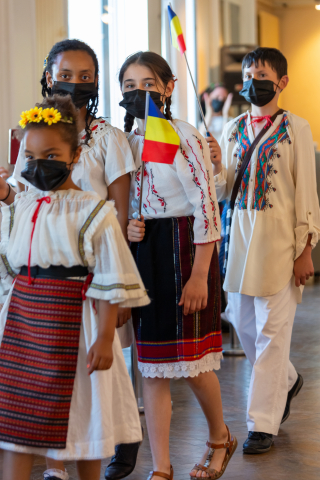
x,y
258,92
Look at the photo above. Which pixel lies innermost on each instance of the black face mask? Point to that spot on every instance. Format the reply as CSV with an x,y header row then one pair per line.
x,y
217,105
135,102
80,93
46,175
258,92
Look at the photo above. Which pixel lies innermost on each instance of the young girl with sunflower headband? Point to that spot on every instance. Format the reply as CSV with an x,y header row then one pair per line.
x,y
68,268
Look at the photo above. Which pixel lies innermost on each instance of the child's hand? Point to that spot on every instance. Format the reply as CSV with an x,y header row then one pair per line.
x,y
215,152
194,295
4,187
100,356
303,267
4,173
124,314
136,230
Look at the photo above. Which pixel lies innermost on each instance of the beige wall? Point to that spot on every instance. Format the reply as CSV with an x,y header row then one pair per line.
x,y
300,43
28,29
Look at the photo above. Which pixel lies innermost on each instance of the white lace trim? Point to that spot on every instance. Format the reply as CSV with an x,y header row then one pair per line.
x,y
209,362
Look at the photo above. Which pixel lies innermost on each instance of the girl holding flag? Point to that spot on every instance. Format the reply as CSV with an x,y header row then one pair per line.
x,y
178,335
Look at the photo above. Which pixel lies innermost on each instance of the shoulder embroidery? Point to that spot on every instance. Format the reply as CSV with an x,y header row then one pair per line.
x,y
85,227
97,131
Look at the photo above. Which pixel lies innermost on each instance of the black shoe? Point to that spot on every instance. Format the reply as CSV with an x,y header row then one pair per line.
x,y
258,442
123,462
291,394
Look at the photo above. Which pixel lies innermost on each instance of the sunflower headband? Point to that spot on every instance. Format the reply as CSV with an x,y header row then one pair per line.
x,y
47,115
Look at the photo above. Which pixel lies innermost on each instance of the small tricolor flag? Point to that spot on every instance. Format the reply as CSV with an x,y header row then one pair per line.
x,y
176,31
161,142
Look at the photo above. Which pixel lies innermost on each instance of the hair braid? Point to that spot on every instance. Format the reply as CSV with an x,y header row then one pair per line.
x,y
128,122
167,112
66,46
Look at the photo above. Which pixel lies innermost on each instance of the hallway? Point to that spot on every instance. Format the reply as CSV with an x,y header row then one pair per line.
x,y
296,454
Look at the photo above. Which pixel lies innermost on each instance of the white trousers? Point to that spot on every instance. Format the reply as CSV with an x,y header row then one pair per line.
x,y
264,327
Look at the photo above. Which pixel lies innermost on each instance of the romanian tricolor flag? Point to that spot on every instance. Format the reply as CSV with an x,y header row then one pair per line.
x,y
161,142
176,31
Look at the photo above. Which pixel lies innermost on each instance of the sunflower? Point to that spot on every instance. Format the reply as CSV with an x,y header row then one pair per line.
x,y
50,116
24,119
35,115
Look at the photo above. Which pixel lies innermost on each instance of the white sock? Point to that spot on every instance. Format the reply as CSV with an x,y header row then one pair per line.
x,y
55,472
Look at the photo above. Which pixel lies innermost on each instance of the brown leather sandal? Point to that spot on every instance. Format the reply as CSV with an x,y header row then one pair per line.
x,y
161,474
230,445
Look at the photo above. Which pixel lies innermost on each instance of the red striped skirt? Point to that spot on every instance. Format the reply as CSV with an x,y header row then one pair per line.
x,y
165,259
38,360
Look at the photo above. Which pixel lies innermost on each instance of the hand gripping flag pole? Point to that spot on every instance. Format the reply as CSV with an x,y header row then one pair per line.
x,y
161,141
178,42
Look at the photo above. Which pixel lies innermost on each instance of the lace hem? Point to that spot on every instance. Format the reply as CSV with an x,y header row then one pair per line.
x,y
209,362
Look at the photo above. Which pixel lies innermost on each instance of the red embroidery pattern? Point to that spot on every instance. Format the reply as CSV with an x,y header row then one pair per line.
x,y
146,174
196,181
195,156
94,128
154,192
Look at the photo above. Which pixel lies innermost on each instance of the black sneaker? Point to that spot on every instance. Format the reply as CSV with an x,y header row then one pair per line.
x,y
258,442
291,394
123,462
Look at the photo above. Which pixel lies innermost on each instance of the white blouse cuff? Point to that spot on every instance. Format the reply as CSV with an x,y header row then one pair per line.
x,y
220,179
126,290
302,232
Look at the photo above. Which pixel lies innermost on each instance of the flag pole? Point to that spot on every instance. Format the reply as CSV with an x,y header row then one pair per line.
x,y
197,97
195,91
143,163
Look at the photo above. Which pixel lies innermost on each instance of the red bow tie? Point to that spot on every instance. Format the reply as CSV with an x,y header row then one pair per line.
x,y
267,118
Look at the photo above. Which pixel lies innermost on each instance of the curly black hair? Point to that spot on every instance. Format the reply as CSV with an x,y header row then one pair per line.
x,y
66,46
69,131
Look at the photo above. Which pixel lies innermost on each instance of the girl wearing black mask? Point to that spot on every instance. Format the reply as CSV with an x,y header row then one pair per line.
x,y
106,159
68,268
216,103
178,335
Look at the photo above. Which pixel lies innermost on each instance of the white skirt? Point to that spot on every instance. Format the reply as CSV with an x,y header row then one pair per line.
x,y
103,410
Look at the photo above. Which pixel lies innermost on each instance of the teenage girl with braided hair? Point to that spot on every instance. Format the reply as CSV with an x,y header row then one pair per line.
x,y
178,335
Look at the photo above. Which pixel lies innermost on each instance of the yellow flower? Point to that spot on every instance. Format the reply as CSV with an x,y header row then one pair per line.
x,y
50,115
35,115
24,119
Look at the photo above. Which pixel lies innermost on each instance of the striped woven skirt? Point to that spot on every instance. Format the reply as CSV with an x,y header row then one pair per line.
x,y
38,359
171,344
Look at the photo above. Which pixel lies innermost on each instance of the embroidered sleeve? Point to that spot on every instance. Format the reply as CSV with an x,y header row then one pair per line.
x,y
116,277
117,155
306,198
195,172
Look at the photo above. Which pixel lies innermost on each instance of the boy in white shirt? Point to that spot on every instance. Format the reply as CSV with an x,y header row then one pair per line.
x,y
275,224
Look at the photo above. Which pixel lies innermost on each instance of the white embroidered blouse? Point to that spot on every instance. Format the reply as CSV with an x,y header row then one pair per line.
x,y
75,228
184,188
277,204
106,158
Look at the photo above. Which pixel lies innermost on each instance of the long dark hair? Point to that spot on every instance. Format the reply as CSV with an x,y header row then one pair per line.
x,y
67,46
161,71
